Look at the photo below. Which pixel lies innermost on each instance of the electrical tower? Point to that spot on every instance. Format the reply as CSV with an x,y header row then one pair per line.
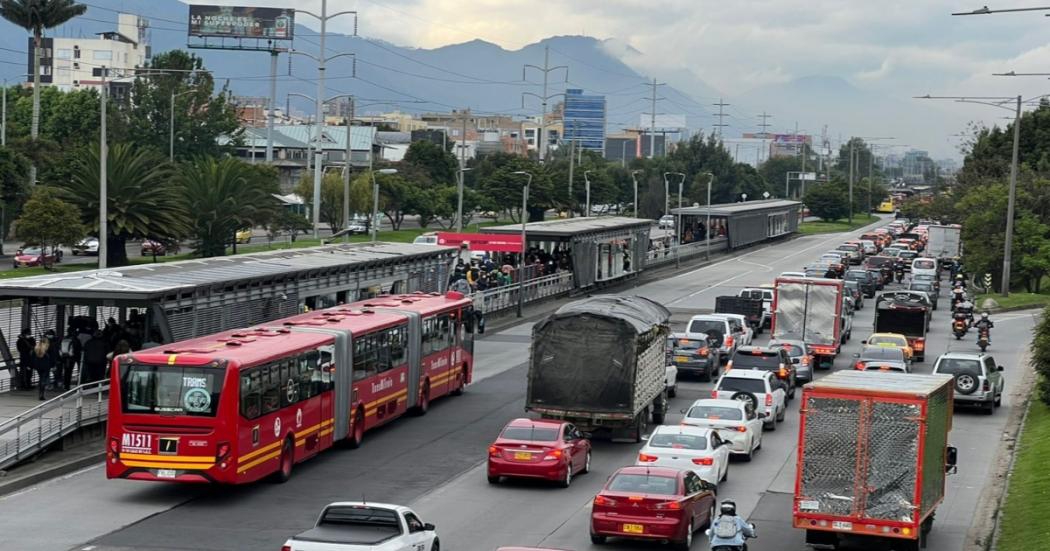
x,y
721,117
652,119
541,143
765,134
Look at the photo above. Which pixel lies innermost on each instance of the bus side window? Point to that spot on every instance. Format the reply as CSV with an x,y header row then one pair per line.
x,y
382,346
428,336
290,391
364,357
327,368
271,388
307,364
251,398
397,346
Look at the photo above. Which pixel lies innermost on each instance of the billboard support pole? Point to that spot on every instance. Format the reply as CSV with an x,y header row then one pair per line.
x,y
273,106
318,170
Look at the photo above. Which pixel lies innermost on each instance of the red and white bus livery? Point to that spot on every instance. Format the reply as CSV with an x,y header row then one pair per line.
x,y
244,404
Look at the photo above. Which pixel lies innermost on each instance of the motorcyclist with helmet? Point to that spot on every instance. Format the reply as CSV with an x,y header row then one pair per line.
x,y
730,532
984,325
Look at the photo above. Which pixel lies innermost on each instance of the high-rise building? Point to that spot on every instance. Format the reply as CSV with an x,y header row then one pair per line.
x,y
584,120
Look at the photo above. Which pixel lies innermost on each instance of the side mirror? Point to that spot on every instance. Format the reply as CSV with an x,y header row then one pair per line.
x,y
856,355
951,457
429,527
762,415
999,368
863,342
587,435
682,411
708,532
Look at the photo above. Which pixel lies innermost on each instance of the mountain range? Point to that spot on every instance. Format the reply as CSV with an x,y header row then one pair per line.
x,y
488,78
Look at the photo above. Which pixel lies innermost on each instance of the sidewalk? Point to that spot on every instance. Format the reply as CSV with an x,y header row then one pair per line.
x,y
25,430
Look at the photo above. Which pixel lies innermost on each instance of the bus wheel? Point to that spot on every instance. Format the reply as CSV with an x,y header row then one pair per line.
x,y
357,432
287,460
424,400
461,381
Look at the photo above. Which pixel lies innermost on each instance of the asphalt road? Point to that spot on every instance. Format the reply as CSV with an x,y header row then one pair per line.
x,y
436,463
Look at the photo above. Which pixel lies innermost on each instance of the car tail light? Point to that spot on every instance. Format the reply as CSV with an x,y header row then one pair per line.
x,y
805,360
703,461
494,451
552,454
782,373
603,501
859,365
702,352
714,394
729,341
646,458
286,548
987,386
668,505
769,399
740,429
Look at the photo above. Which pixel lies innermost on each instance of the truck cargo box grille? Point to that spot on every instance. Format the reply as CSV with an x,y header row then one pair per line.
x,y
829,461
892,446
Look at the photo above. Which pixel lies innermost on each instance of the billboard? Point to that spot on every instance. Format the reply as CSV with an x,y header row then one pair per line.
x,y
664,123
241,22
482,242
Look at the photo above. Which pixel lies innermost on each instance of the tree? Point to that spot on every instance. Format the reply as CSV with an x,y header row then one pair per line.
x,y
331,197
287,221
223,196
827,202
35,16
1031,247
200,117
49,222
438,164
1040,352
14,186
144,200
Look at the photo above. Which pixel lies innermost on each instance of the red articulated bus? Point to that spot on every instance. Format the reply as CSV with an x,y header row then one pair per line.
x,y
245,404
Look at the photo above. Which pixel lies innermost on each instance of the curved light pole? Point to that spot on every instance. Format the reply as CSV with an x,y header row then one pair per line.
x,y
707,234
634,177
171,129
524,220
375,200
317,170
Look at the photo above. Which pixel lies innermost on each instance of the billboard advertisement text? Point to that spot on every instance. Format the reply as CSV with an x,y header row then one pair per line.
x,y
241,22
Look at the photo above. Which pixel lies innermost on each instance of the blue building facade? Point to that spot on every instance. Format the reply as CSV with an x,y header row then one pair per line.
x,y
584,120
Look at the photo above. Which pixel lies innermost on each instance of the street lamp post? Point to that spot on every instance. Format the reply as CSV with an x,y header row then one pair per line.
x,y
103,199
524,220
319,172
707,234
375,200
587,188
634,178
459,199
171,130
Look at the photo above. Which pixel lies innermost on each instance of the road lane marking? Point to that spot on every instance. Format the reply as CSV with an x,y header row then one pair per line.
x,y
705,289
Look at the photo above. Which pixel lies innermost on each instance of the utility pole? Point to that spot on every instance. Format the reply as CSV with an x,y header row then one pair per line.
x,y
871,176
764,125
346,173
546,70
273,105
852,162
459,184
652,121
1008,246
721,116
3,119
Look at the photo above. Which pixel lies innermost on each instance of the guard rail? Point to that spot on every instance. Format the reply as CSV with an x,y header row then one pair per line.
x,y
31,432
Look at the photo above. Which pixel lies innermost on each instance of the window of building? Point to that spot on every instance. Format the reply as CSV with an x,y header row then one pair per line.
x,y
64,53
63,72
102,55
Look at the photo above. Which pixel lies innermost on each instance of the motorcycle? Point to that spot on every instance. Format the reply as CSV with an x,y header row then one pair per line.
x,y
899,272
723,547
960,327
983,339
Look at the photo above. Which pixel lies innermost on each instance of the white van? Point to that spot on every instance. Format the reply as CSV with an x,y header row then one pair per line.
x,y
925,266
430,238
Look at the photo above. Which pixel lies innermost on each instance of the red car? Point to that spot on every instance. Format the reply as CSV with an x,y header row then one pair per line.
x,y
652,503
150,247
533,448
28,257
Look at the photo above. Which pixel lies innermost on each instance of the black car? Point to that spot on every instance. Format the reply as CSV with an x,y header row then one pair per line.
x,y
929,288
695,354
906,257
765,358
884,264
853,290
866,279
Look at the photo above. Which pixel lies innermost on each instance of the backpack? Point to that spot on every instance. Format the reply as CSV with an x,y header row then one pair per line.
x,y
726,527
66,348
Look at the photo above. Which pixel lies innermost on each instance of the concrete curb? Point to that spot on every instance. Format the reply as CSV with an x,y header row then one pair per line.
x,y
1018,308
984,530
54,471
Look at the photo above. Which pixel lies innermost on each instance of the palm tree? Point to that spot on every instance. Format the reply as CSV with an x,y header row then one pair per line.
x,y
35,16
225,195
145,200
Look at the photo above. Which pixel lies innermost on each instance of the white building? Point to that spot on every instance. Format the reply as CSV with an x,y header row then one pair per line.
x,y
76,63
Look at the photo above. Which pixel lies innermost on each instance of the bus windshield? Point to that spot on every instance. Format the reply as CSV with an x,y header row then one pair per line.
x,y
170,390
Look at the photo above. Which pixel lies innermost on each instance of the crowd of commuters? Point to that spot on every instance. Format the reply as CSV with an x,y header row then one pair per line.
x,y
490,272
85,344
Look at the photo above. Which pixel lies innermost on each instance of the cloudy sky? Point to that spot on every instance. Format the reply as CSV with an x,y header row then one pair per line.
x,y
896,48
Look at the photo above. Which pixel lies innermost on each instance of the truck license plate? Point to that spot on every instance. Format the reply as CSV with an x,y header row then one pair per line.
x,y
809,505
165,473
842,525
633,529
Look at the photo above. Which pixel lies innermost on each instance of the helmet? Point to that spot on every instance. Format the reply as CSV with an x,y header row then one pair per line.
x,y
728,507
984,315
958,276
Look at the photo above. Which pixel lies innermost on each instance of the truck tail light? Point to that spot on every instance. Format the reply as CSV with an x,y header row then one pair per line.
x,y
769,399
703,461
920,344
646,458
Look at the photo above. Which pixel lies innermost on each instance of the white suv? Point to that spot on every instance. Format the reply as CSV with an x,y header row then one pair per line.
x,y
734,420
925,266
718,328
762,389
978,379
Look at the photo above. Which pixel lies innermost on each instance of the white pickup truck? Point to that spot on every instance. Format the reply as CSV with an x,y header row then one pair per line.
x,y
360,526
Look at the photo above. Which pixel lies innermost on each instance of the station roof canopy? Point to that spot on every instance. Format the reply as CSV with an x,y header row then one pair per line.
x,y
732,209
147,281
569,227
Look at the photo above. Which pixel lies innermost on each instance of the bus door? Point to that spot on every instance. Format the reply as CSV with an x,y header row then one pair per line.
x,y
437,348
322,370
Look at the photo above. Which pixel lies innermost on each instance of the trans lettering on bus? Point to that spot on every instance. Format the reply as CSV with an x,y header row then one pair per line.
x,y
242,405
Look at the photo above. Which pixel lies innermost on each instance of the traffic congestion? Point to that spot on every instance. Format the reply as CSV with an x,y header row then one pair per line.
x,y
603,371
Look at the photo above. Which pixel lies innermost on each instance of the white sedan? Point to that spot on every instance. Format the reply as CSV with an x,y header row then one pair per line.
x,y
735,421
689,448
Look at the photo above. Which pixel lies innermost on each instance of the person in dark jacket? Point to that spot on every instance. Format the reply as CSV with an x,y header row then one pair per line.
x,y
25,345
53,345
94,367
70,350
42,362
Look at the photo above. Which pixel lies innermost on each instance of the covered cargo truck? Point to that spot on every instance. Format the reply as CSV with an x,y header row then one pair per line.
x,y
751,308
906,313
809,310
944,242
600,363
873,457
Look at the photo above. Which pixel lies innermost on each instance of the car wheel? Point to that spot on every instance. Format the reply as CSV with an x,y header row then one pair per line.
x,y
494,480
989,407
998,400
794,386
750,453
725,475
771,426
780,416
673,391
687,543
436,546
598,540
710,515
587,463
567,481
709,372
424,401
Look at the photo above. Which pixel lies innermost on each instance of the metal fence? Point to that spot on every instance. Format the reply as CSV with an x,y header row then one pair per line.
x,y
502,298
33,431
677,253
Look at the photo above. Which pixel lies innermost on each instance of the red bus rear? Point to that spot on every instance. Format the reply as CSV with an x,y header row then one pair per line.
x,y
245,404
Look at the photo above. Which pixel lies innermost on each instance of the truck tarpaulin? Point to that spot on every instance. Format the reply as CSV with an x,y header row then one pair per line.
x,y
872,452
808,310
584,356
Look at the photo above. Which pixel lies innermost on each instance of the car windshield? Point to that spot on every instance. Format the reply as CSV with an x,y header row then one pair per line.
x,y
34,251
644,484
924,287
908,254
531,433
687,344
831,257
716,327
884,340
953,366
716,412
767,361
678,441
924,264
170,390
878,366
793,350
882,353
735,384
891,252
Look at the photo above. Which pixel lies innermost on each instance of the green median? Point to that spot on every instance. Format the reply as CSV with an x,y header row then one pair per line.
x,y
1017,301
1024,523
837,226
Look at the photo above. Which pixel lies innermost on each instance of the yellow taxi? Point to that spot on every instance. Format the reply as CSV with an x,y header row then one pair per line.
x,y
891,340
244,236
